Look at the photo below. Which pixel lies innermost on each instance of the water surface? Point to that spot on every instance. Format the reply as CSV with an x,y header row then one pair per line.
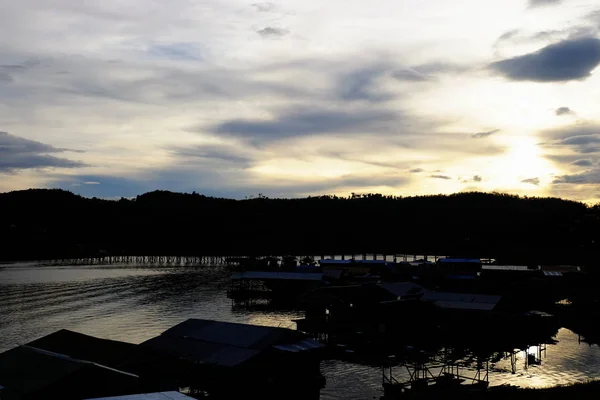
x,y
135,303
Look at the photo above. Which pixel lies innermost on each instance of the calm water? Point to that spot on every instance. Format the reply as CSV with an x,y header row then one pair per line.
x,y
136,303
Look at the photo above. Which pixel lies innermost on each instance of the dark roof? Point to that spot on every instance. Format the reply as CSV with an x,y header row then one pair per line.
x,y
27,372
77,345
221,343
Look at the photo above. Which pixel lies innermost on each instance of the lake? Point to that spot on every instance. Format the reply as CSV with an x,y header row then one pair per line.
x,y
135,303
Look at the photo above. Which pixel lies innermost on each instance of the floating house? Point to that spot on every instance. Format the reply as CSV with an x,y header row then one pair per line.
x,y
272,284
29,373
128,357
230,360
394,315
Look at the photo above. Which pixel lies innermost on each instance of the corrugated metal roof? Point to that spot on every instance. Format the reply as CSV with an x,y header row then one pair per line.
x,y
28,371
149,396
224,343
227,333
80,346
268,275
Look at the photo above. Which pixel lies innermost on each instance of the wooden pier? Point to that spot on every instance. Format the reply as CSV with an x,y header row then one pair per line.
x,y
190,260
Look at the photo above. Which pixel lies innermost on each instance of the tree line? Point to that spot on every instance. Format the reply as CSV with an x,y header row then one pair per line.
x,y
44,224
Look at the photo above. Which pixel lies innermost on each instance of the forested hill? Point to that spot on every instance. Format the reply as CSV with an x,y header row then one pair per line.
x,y
42,224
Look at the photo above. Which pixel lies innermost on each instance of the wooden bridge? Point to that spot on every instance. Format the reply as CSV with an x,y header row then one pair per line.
x,y
220,259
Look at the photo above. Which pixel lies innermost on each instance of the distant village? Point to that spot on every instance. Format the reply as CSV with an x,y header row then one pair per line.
x,y
444,319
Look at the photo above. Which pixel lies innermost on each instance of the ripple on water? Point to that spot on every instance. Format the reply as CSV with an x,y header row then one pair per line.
x,y
136,303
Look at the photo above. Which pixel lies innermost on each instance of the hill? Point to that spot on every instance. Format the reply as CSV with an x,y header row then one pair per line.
x,y
43,224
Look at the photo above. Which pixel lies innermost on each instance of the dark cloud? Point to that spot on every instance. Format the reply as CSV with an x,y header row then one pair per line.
x,y
532,181
271,32
477,178
308,122
228,154
582,139
541,3
563,111
591,177
480,135
18,153
583,163
565,132
361,85
564,61
416,170
440,177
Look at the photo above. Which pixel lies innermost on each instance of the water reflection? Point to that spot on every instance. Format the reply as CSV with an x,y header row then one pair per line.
x,y
136,303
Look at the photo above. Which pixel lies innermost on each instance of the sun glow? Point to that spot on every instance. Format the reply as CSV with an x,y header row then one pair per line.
x,y
523,161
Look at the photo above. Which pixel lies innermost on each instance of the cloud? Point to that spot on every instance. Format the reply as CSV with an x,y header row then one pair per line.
x,y
218,183
508,35
480,135
4,77
91,183
429,71
542,3
583,163
17,153
582,140
563,111
416,170
579,138
294,123
263,7
218,152
477,178
532,181
361,84
175,51
591,177
572,59
410,75
272,32
440,177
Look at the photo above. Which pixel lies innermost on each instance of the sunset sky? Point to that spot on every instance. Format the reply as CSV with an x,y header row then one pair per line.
x,y
301,97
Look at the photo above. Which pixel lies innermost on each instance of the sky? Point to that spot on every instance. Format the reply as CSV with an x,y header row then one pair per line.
x,y
294,98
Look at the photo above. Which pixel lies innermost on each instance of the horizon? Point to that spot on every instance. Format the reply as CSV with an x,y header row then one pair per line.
x,y
293,99
343,197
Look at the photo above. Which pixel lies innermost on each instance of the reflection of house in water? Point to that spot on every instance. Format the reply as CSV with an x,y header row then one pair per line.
x,y
230,360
